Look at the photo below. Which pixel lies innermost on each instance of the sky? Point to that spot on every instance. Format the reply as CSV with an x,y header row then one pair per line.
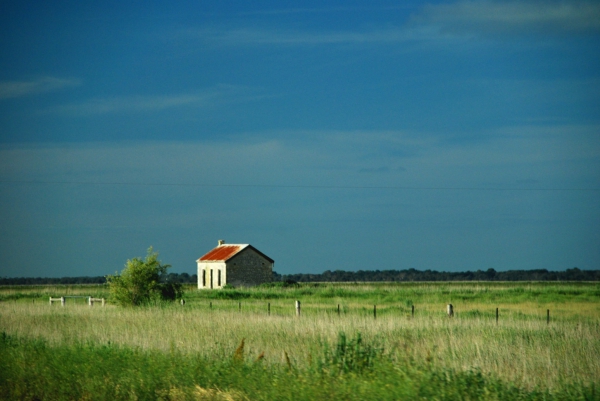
x,y
349,135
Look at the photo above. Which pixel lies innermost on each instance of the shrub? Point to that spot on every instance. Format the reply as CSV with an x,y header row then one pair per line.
x,y
280,284
143,282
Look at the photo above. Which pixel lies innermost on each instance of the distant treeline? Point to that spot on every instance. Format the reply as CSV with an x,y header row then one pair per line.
x,y
172,277
574,274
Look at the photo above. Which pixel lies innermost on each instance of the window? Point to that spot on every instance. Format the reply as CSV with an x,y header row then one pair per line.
x,y
219,278
203,278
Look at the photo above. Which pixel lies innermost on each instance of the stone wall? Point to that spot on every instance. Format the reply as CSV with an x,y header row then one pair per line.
x,y
248,268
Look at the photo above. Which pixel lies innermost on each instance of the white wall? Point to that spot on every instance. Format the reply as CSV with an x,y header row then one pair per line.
x,y
204,269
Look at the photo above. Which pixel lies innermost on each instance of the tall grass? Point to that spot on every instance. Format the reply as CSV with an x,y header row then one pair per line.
x,y
30,370
521,351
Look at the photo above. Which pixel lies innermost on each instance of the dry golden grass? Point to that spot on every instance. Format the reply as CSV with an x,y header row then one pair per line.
x,y
521,348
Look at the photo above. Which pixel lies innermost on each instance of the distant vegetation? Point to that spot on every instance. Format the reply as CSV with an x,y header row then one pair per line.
x,y
573,274
182,278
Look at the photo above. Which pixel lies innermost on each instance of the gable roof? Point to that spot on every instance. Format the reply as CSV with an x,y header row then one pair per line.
x,y
225,252
222,253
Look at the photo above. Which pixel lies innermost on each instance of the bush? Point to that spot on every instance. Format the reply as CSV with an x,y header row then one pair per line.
x,y
280,284
143,282
350,355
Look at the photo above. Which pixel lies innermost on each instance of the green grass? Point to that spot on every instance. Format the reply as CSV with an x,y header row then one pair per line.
x,y
469,356
32,370
416,292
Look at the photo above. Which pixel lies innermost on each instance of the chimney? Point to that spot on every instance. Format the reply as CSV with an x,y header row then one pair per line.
x,y
221,242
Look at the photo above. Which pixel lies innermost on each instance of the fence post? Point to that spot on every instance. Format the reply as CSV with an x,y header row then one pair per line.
x,y
374,311
297,308
90,301
412,311
269,309
62,301
210,305
50,301
338,309
496,315
547,316
182,301
450,309
102,301
239,306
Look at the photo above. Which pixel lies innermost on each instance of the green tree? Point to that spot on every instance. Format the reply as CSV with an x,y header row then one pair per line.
x,y
142,282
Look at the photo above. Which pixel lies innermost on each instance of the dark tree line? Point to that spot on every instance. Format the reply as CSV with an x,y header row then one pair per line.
x,y
574,274
171,277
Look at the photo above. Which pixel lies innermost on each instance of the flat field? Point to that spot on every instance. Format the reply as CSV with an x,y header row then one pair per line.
x,y
373,348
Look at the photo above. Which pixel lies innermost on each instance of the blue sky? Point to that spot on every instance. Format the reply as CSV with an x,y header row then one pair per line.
x,y
454,136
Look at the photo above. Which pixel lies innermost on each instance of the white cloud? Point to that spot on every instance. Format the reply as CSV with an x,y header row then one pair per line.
x,y
138,104
128,104
15,89
512,16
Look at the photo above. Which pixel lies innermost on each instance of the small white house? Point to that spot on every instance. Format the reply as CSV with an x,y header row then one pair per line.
x,y
235,264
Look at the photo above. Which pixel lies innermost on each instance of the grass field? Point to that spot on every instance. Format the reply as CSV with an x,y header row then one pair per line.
x,y
391,356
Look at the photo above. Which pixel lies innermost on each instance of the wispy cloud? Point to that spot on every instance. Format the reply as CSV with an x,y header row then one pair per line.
x,y
462,18
324,10
379,170
128,104
139,104
560,157
430,23
512,17
16,89
262,36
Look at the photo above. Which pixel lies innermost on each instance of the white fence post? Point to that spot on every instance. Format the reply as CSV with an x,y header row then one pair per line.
x,y
92,300
63,300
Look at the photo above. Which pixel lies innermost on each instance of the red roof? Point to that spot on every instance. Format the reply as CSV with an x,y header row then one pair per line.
x,y
222,253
